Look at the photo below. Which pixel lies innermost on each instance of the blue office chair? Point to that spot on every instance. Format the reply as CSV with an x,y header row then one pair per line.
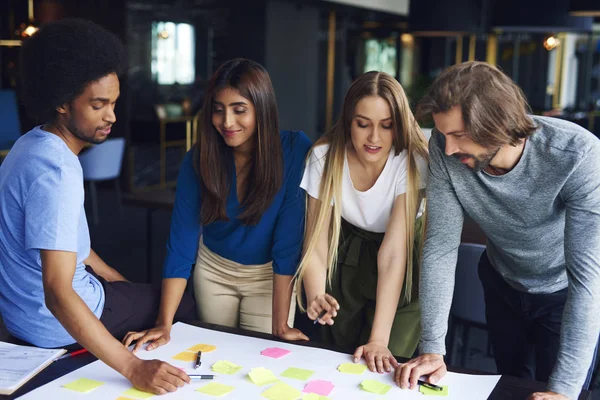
x,y
101,163
468,305
10,125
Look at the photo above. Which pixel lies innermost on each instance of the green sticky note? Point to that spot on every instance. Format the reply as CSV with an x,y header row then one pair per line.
x,y
373,386
138,394
281,391
314,396
261,376
215,389
226,367
431,392
83,385
350,368
298,373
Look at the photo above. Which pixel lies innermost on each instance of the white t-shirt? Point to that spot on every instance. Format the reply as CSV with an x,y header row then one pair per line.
x,y
371,209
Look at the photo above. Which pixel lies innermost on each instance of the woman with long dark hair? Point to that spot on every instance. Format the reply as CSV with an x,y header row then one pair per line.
x,y
240,183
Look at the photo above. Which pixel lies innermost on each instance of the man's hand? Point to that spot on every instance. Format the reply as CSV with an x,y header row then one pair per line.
x,y
547,396
407,374
155,376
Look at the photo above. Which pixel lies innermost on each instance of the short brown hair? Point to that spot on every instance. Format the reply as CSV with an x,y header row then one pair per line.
x,y
494,109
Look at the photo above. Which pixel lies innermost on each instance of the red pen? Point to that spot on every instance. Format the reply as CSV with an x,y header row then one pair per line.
x,y
72,354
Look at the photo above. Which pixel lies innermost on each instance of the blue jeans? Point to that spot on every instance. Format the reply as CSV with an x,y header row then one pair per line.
x,y
524,328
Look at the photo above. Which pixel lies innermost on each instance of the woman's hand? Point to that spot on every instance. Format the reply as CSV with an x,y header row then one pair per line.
x,y
288,333
326,304
378,357
159,335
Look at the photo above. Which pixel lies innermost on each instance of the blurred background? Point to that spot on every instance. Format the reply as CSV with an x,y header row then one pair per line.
x,y
313,49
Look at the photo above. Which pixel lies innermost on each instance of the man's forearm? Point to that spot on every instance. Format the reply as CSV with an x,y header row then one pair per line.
x,y
102,269
579,335
83,326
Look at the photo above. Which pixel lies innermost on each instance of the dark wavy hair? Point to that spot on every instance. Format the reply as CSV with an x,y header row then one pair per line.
x,y
61,59
494,109
214,157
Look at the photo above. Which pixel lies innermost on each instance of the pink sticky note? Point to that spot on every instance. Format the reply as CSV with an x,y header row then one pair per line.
x,y
322,388
275,352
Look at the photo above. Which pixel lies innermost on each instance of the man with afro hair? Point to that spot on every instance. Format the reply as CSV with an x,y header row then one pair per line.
x,y
55,291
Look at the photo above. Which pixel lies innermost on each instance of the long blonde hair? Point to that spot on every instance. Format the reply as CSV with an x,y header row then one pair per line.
x,y
407,136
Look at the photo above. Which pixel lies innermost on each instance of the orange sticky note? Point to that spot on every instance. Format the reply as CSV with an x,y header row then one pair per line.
x,y
185,356
205,348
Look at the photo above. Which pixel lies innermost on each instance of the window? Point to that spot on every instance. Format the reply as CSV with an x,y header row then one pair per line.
x,y
173,48
381,56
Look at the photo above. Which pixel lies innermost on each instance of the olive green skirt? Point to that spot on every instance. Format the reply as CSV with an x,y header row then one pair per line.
x,y
354,286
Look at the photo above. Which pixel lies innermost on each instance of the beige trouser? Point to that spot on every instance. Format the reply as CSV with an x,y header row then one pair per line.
x,y
233,294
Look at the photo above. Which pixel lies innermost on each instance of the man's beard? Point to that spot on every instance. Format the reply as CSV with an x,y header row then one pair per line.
x,y
82,136
480,162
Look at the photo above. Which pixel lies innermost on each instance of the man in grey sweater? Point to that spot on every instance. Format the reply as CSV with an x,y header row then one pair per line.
x,y
533,186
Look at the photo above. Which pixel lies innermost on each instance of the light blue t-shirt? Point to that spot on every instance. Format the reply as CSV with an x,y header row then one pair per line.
x,y
41,208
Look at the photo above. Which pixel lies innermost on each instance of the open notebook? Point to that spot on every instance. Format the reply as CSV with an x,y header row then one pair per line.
x,y
18,364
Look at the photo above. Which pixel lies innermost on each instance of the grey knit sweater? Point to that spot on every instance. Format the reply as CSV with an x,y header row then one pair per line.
x,y
542,221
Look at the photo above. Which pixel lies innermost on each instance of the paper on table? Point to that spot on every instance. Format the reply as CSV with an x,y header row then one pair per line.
x,y
281,391
319,387
124,398
373,386
275,352
261,376
350,368
226,367
205,348
297,373
314,396
138,394
245,351
430,392
215,389
185,356
18,364
83,385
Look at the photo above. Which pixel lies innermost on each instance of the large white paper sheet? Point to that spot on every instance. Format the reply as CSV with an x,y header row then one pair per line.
x,y
245,351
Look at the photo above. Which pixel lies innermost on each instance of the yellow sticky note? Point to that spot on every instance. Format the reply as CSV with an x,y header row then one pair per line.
x,y
226,367
215,389
373,386
205,348
83,385
261,376
185,356
281,391
138,394
314,396
350,368
297,373
430,392
123,398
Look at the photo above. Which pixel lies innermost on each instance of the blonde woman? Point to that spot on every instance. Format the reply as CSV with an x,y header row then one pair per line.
x,y
364,225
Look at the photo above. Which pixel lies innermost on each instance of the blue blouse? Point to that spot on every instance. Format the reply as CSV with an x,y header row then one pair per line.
x,y
277,236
